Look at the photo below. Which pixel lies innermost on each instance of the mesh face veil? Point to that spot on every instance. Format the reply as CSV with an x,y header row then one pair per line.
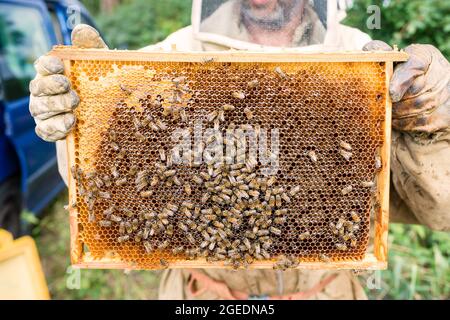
x,y
261,24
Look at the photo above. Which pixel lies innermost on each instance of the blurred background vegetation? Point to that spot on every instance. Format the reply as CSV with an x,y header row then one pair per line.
x,y
418,257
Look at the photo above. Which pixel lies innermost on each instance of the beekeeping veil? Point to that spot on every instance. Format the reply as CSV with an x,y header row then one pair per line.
x,y
266,24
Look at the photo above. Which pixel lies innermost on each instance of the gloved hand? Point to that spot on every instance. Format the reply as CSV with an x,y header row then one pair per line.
x,y
419,89
52,101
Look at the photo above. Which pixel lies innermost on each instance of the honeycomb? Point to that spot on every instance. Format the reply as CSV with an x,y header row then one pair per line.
x,y
133,203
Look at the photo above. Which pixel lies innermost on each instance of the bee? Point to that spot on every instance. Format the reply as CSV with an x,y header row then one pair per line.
x,y
211,116
179,80
345,145
345,154
341,246
162,154
137,124
280,212
176,181
183,115
148,247
353,242
98,182
190,238
177,250
347,190
187,188
305,235
140,136
145,233
115,172
114,146
324,258
275,231
218,224
378,164
197,179
138,237
285,197
125,89
115,218
220,118
278,201
211,245
135,224
247,243
133,170
312,155
128,227
121,154
340,223
153,126
228,107
91,216
146,194
104,195
261,233
367,184
167,111
123,238
163,245
74,172
279,220
355,216
238,95
248,113
206,60
127,212
121,182
149,215
169,230
265,254
172,207
112,135
122,227
161,125
253,83
169,173
109,211
183,227
280,73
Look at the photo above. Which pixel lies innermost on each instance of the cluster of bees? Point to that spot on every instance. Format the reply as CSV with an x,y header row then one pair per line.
x,y
240,213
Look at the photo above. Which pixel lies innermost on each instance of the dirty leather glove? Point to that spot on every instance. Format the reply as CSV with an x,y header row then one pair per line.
x,y
419,89
51,100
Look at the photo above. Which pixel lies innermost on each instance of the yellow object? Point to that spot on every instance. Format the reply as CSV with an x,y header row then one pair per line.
x,y
21,275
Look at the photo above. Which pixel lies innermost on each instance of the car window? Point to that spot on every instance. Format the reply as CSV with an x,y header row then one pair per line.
x,y
56,27
23,38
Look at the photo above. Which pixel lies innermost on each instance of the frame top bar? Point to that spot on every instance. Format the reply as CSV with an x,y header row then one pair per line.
x,y
71,53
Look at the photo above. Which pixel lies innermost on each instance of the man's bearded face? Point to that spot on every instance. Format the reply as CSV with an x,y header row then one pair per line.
x,y
268,14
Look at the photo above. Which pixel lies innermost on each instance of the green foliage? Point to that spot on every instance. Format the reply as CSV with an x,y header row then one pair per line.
x,y
418,265
404,22
139,23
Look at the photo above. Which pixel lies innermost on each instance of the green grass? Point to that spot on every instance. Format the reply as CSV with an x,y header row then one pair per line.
x,y
418,265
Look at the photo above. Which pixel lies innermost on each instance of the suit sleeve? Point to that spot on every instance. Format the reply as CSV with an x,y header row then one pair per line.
x,y
420,169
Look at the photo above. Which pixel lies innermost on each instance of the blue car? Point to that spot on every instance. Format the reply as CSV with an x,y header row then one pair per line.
x,y
29,177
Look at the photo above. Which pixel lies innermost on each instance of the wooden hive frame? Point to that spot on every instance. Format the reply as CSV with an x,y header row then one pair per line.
x,y
372,261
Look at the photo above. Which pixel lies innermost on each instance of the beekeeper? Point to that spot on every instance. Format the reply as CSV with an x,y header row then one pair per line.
x,y
420,158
